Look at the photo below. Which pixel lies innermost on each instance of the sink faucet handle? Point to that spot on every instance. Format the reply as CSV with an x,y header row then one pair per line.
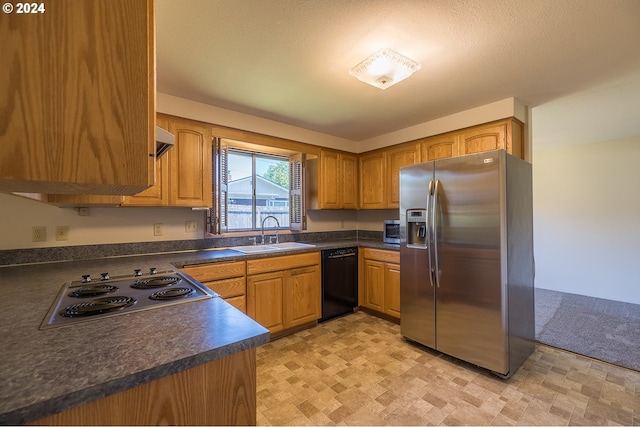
x,y
253,240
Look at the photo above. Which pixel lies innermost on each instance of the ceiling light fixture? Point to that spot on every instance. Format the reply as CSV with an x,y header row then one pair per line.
x,y
384,68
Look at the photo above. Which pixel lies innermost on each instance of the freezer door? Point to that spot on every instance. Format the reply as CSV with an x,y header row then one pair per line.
x,y
417,321
470,322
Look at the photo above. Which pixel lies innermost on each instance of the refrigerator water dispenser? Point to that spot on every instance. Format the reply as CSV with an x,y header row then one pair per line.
x,y
417,228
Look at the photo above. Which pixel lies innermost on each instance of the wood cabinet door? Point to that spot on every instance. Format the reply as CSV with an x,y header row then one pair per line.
x,y
330,180
349,181
392,289
483,138
302,296
374,285
439,147
397,158
158,193
190,168
265,294
78,98
372,176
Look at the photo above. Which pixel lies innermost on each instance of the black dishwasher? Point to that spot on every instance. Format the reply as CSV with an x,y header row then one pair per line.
x,y
339,282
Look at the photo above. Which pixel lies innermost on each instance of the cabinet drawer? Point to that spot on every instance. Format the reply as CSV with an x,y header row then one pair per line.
x,y
382,255
239,302
216,271
286,262
228,287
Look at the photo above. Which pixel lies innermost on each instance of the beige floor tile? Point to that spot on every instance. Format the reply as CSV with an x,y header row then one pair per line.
x,y
357,370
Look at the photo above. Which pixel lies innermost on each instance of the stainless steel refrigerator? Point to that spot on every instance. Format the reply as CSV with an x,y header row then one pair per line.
x,y
466,258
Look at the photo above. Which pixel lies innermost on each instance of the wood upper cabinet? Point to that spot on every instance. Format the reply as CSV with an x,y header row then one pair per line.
x,y
158,193
190,176
439,147
398,157
504,134
184,173
349,180
372,179
336,175
78,98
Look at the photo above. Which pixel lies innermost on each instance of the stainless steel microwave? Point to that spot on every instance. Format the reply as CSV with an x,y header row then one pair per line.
x,y
391,231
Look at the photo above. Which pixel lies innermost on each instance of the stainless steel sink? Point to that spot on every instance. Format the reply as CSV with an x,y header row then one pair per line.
x,y
270,248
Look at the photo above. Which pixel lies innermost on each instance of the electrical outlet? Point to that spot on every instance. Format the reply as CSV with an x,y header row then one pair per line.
x,y
62,232
158,228
83,211
190,226
38,233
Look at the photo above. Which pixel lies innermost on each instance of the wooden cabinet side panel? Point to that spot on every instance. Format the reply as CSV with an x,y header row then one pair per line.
x,y
69,95
221,392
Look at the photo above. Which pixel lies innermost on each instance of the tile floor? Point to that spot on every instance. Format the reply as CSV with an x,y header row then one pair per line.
x,y
357,370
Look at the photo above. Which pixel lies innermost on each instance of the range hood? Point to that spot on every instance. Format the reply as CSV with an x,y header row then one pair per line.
x,y
164,141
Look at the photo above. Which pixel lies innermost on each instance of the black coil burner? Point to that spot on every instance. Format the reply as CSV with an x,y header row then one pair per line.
x,y
98,306
92,291
171,293
156,282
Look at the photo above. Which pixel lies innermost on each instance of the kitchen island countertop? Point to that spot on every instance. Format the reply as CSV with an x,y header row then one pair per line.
x,y
50,370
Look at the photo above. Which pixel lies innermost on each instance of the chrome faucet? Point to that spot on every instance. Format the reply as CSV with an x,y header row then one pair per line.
x,y
277,224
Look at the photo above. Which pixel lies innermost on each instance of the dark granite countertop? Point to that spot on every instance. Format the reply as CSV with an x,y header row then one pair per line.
x,y
46,371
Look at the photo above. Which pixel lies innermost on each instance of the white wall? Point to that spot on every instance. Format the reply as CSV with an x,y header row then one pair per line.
x,y
586,203
103,225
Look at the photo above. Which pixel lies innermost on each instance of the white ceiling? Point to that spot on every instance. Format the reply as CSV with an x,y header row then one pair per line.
x,y
289,61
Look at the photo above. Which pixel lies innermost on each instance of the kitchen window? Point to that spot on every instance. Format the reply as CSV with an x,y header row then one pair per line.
x,y
251,183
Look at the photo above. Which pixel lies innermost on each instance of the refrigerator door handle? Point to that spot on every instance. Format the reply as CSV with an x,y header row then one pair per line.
x,y
429,232
434,219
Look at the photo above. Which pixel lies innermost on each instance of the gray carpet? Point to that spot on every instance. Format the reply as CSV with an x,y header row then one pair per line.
x,y
602,329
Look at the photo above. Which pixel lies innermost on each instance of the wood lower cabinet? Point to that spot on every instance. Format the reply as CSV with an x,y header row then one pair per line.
x,y
221,392
284,292
266,300
78,98
227,279
380,281
392,289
